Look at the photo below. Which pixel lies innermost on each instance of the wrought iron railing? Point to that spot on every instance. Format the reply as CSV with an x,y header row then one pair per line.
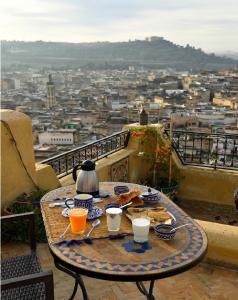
x,y
64,163
206,149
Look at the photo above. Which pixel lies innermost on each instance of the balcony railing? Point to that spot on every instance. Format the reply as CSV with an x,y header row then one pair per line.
x,y
64,163
206,149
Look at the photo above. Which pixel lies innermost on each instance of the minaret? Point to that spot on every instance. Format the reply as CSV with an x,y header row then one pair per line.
x,y
51,100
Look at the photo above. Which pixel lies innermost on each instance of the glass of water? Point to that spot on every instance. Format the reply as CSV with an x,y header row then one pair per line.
x,y
113,218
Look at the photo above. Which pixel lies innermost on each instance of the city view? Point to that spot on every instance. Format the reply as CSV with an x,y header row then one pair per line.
x,y
72,106
150,106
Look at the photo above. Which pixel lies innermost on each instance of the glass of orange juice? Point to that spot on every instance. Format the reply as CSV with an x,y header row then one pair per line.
x,y
77,218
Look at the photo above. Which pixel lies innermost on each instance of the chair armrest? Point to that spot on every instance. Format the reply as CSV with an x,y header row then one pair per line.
x,y
46,277
17,217
30,216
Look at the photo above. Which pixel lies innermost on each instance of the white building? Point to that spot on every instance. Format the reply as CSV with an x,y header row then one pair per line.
x,y
59,137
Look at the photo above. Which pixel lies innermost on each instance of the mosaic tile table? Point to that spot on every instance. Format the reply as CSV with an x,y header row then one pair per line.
x,y
119,259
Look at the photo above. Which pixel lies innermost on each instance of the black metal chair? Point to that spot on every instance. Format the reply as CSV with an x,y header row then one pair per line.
x,y
236,198
21,276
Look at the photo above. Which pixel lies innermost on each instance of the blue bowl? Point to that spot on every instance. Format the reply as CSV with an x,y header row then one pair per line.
x,y
155,197
163,231
151,196
121,189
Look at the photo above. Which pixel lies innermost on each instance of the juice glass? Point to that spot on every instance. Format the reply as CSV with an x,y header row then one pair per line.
x,y
77,218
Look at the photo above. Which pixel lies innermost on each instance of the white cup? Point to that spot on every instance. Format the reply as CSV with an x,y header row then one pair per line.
x,y
113,218
141,227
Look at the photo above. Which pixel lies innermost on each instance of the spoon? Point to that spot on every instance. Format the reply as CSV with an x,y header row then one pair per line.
x,y
94,224
126,204
63,234
179,227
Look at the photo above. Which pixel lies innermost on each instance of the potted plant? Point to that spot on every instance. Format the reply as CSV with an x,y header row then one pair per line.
x,y
165,175
168,175
24,203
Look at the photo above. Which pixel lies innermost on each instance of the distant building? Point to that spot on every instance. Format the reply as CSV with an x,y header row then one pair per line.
x,y
159,100
43,152
156,38
51,99
59,137
183,120
116,124
230,102
7,84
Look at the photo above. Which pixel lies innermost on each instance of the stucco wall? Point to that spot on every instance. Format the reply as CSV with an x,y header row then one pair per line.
x,y
18,171
222,243
17,159
204,184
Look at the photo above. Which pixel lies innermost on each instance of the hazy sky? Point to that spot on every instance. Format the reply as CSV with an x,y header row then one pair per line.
x,y
209,24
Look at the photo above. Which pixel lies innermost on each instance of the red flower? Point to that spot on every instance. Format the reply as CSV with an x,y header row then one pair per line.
x,y
134,134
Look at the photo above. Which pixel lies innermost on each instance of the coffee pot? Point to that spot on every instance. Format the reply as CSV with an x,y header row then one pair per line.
x,y
87,180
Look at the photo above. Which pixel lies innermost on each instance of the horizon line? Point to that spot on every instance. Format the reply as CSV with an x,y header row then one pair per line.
x,y
218,52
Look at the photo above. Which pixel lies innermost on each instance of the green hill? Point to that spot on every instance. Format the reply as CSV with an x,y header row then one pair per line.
x,y
158,53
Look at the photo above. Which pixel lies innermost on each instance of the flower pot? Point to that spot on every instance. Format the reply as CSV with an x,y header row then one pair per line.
x,y
6,211
166,188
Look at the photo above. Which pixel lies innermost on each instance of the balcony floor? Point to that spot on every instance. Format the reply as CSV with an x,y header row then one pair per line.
x,y
212,212
203,282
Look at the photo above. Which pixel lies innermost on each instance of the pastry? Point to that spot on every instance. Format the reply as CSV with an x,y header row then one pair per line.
x,y
157,209
127,197
137,212
159,216
156,215
137,201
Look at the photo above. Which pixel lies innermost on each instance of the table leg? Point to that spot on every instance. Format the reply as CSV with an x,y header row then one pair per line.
x,y
78,281
75,290
144,291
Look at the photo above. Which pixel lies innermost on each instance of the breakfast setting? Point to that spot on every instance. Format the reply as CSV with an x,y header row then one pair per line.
x,y
116,210
118,231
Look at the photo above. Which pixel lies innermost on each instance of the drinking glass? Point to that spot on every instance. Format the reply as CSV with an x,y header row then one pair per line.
x,y
113,218
141,228
77,218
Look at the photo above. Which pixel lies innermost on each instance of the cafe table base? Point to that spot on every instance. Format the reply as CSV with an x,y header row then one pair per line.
x,y
79,282
143,290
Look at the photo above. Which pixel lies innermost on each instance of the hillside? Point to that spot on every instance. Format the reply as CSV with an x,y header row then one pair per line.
x,y
158,53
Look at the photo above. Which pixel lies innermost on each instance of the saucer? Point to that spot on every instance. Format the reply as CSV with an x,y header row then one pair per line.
x,y
94,213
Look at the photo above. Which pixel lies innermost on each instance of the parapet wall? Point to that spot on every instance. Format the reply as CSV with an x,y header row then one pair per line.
x,y
222,243
209,185
18,171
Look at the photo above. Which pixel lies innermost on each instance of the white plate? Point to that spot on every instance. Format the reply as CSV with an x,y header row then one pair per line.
x,y
170,222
